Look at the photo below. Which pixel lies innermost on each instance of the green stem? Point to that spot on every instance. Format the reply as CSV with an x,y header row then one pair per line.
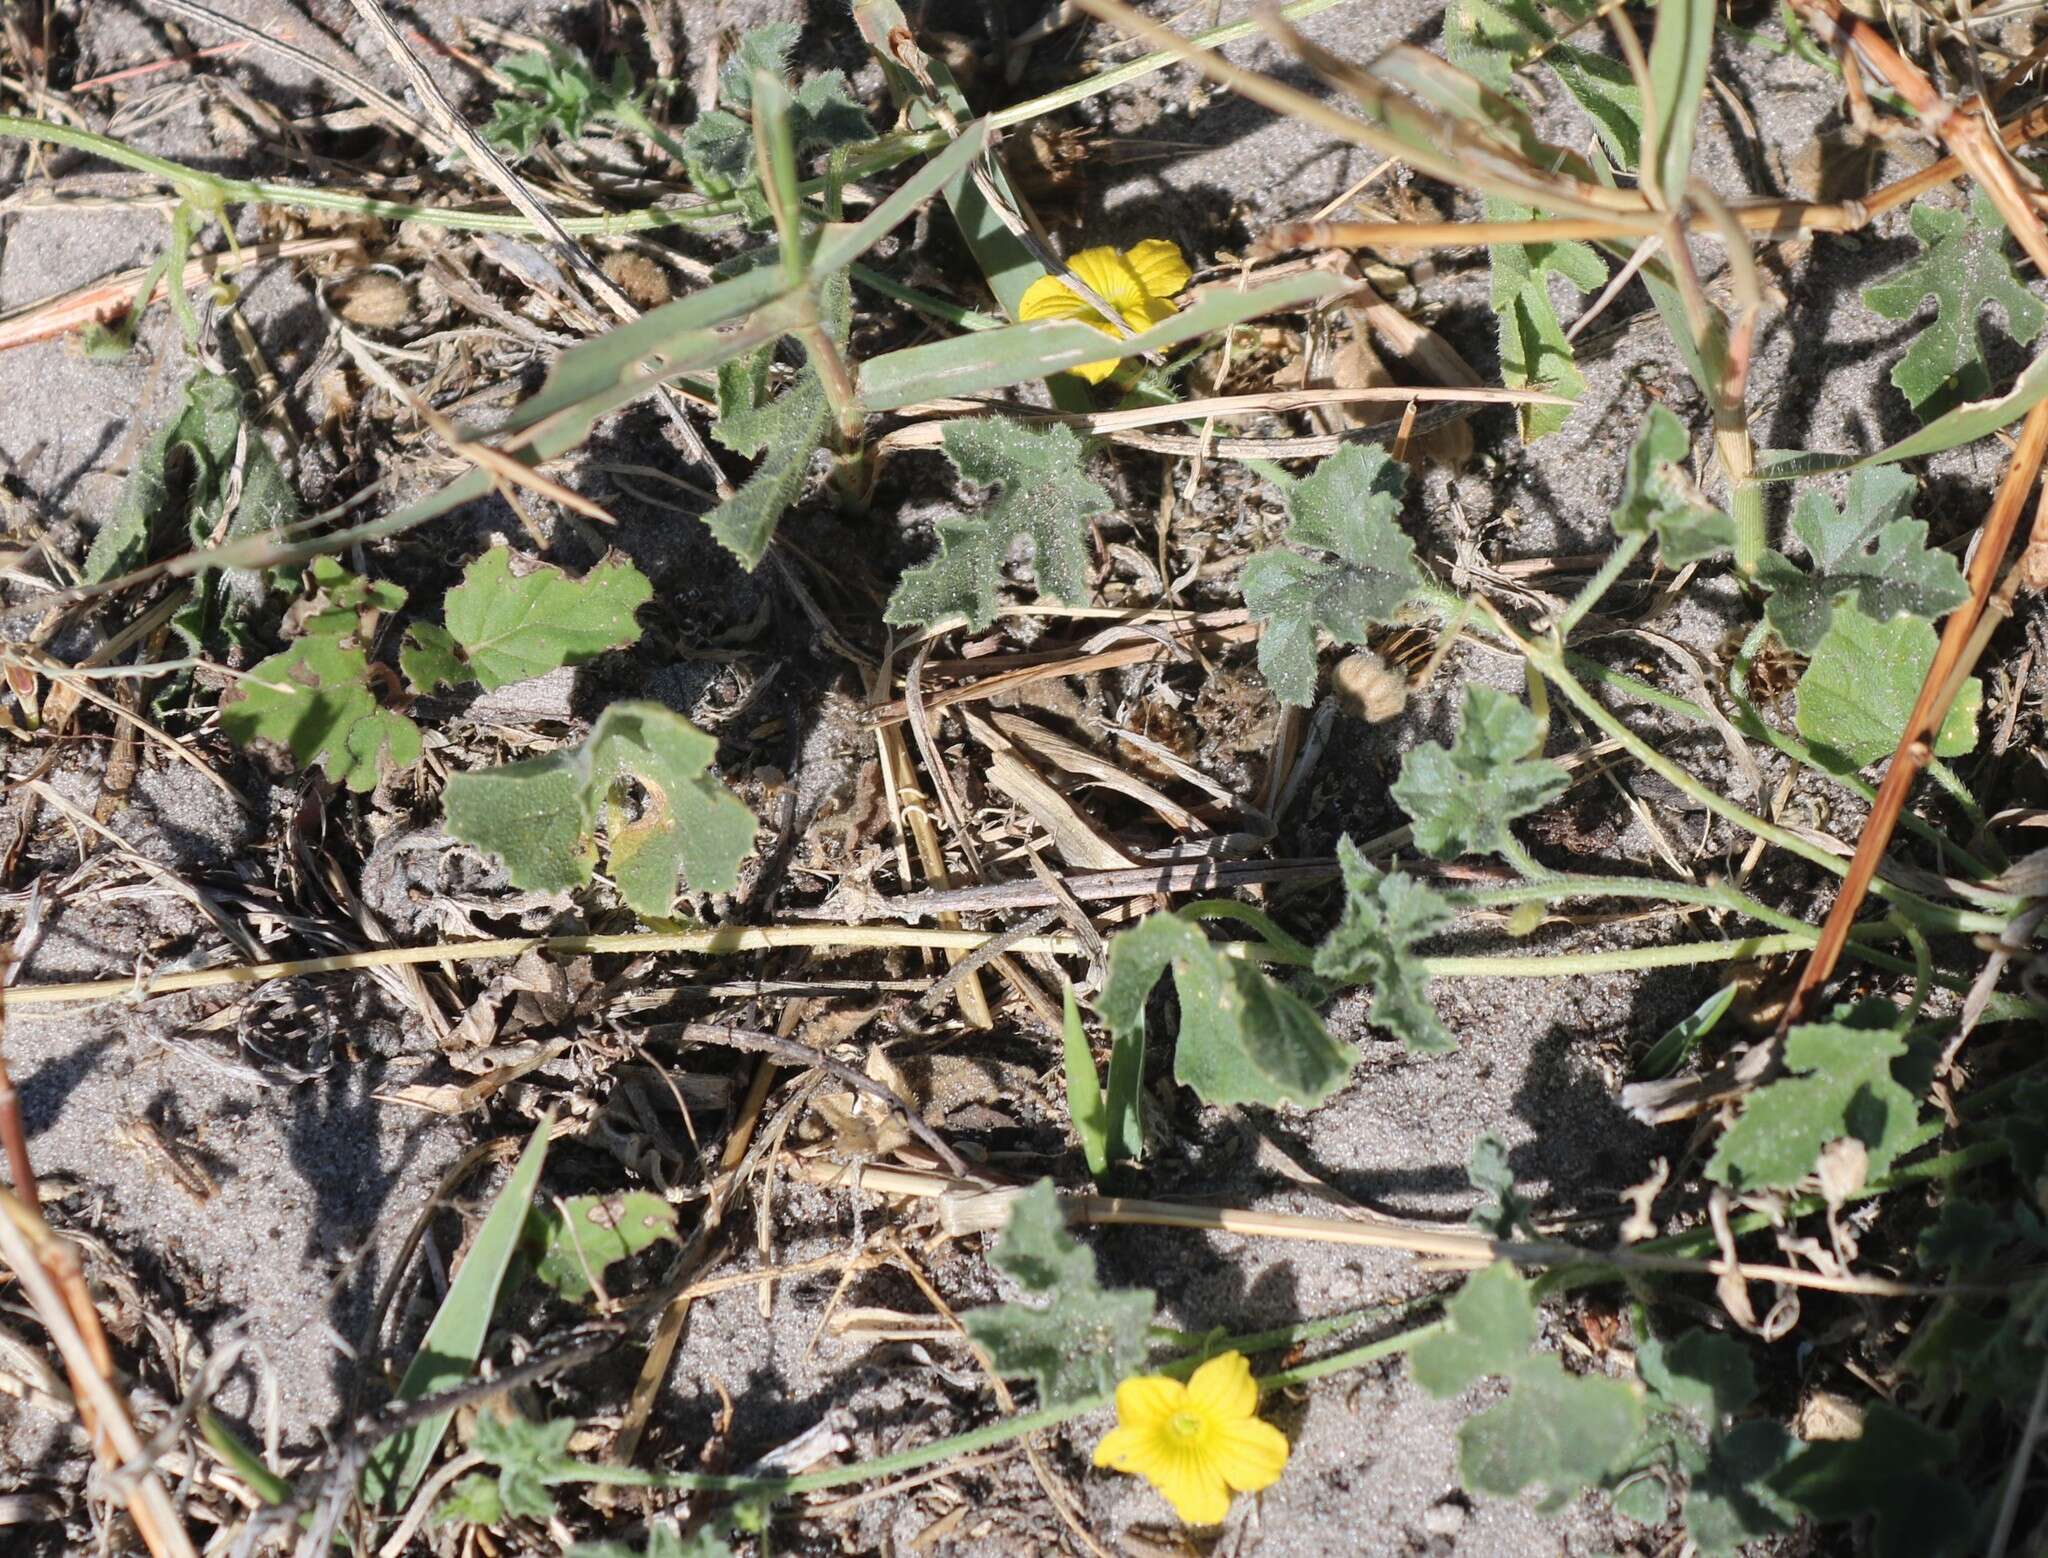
x,y
1752,533
938,308
1563,965
210,190
1516,853
1933,916
1280,947
1589,594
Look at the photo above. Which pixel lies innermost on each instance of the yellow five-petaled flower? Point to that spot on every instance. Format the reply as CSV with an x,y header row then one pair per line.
x,y
1139,283
1196,1443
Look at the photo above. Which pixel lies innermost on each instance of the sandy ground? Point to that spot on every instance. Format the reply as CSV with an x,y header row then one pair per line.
x,y
317,1178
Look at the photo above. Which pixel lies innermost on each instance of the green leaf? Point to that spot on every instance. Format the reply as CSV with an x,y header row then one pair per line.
x,y
1894,1474
1346,508
1556,1431
1488,1328
1243,1038
1087,1338
541,816
509,628
718,147
1534,350
1606,92
1965,269
1658,497
473,1501
767,47
1858,692
982,360
1841,1086
1707,1375
1683,1037
1732,1501
1084,1089
315,698
192,468
1039,492
1492,39
455,1339
788,429
662,1542
528,1456
718,153
431,658
1500,1212
1385,916
1462,798
1680,55
559,94
1870,551
585,1234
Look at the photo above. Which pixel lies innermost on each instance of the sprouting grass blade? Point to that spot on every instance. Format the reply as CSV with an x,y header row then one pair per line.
x,y
453,1343
1084,1091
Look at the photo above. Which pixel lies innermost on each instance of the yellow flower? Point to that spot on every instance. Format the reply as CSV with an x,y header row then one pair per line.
x,y
1139,283
1196,1442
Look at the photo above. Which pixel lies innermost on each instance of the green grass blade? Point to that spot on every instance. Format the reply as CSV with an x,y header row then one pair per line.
x,y
990,359
453,1343
1680,53
842,249
1084,1091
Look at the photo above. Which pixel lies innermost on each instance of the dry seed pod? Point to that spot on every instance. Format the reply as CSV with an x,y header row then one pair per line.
x,y
1368,688
372,299
640,278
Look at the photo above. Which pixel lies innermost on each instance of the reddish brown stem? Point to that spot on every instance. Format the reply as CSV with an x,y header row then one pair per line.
x,y
1929,709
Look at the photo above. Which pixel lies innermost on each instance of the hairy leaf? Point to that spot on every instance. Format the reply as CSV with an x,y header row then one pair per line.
x,y
1893,1473
1870,551
315,699
1858,692
205,458
1489,1328
1501,1212
577,1239
786,430
558,94
1556,1432
1373,944
1534,351
1658,497
718,146
1707,1375
1243,1038
541,816
1039,492
1463,797
1085,1338
1732,1500
1965,269
1347,509
505,628
528,1456
1841,1086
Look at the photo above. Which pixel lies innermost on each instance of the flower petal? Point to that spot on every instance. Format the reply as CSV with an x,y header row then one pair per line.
x,y
1125,1449
1249,1454
1223,1387
1195,1490
1109,273
1159,266
1051,298
1096,372
1145,1401
1149,312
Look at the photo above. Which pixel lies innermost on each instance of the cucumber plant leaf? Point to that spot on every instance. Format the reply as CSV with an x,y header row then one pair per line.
x,y
1659,499
505,628
576,1239
1346,509
1896,1474
1462,797
1385,915
1244,1039
542,816
1965,269
718,146
318,698
1839,1084
1080,1338
1869,550
1858,691
1039,492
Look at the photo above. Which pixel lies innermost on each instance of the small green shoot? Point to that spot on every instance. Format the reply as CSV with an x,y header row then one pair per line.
x,y
1347,509
1081,1338
576,1238
1463,797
